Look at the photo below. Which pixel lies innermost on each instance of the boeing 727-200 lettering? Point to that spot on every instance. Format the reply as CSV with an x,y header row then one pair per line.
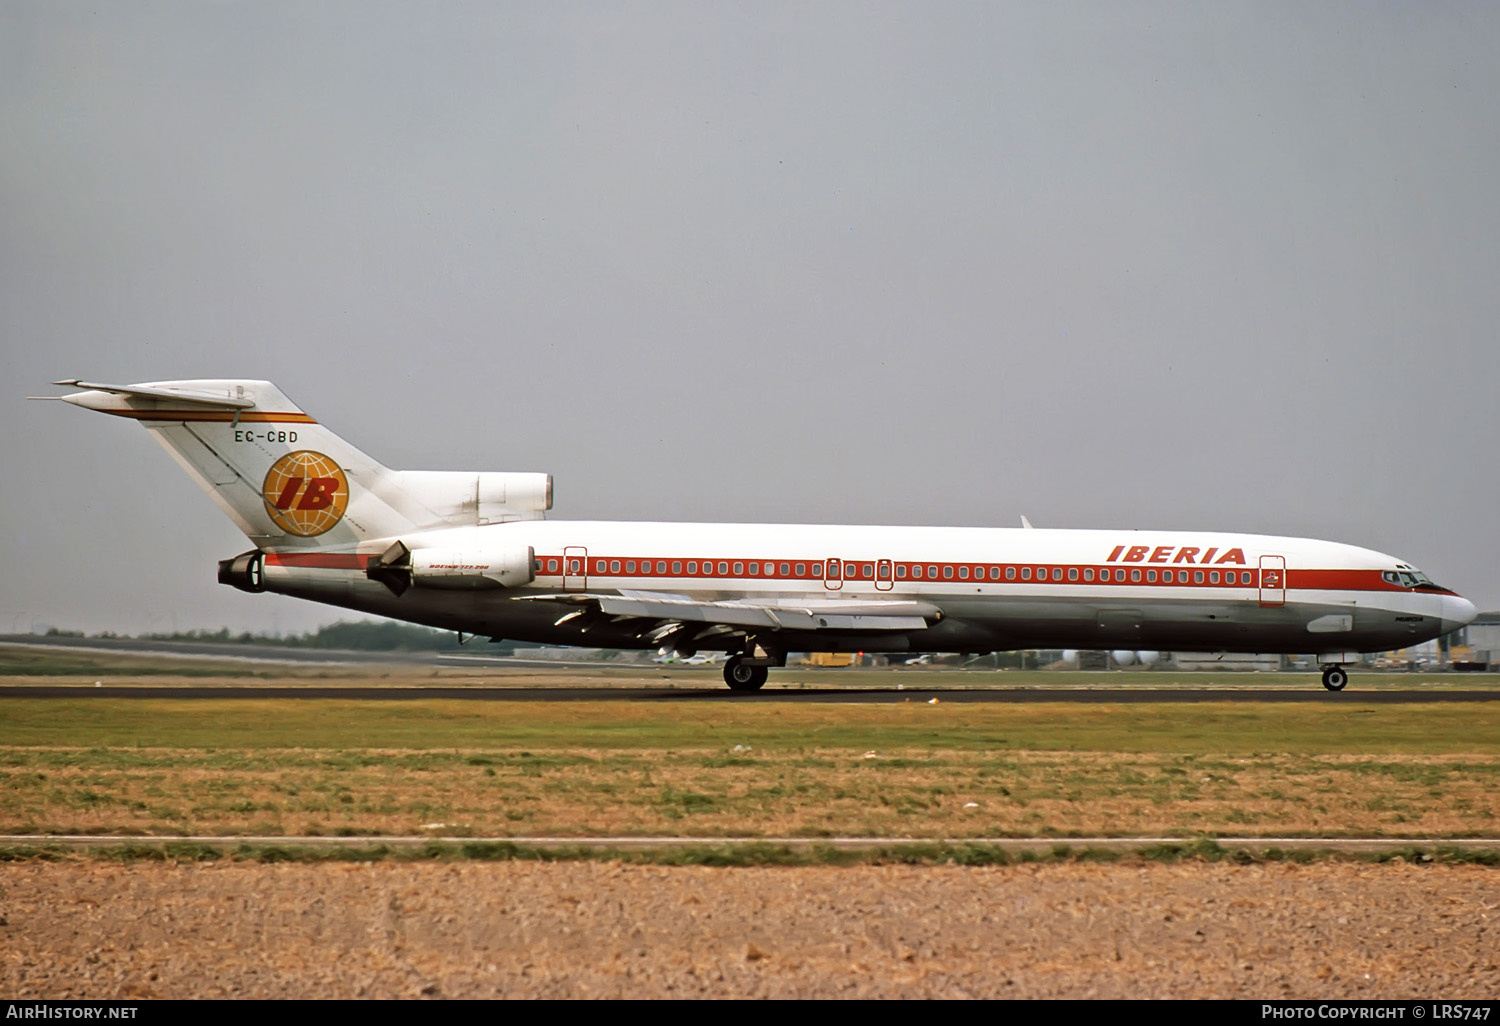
x,y
472,552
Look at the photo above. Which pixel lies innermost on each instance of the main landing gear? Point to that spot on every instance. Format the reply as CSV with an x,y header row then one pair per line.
x,y
740,676
1335,677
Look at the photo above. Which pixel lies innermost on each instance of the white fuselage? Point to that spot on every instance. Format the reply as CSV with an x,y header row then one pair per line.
x,y
993,588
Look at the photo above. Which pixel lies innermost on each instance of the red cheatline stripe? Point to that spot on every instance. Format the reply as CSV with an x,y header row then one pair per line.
x,y
216,416
979,573
319,560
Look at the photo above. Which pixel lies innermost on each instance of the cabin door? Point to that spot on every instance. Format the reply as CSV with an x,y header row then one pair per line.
x,y
575,568
883,579
1273,580
833,574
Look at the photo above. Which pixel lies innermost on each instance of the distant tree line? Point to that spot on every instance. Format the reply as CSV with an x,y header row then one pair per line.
x,y
359,635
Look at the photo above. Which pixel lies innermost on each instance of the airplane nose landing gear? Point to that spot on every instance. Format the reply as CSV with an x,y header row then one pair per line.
x,y
1335,677
742,677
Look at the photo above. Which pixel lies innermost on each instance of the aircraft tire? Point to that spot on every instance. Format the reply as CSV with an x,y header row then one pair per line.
x,y
740,677
1335,677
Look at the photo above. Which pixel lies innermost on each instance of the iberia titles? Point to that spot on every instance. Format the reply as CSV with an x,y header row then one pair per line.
x,y
1173,554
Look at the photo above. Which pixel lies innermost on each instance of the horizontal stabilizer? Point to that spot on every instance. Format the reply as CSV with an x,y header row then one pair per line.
x,y
171,394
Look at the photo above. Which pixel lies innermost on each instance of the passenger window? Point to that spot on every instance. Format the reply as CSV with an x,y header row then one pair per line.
x,y
801,569
1072,573
1057,573
676,566
785,569
1197,576
1213,577
963,573
1150,576
994,573
916,571
1088,573
869,571
614,566
692,566
901,571
600,566
572,566
1135,576
932,572
723,569
754,569
630,566
1010,573
1025,573
947,573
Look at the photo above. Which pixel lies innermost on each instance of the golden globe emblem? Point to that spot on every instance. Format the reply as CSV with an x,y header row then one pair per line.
x,y
306,493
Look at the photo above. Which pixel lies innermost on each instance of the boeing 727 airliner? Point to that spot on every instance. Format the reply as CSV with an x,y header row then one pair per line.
x,y
471,552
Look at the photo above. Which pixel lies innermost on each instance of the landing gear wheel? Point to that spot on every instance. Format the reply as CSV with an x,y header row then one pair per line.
x,y
740,677
1335,677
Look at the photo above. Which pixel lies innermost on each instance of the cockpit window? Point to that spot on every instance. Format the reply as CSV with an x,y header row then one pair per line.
x,y
1407,578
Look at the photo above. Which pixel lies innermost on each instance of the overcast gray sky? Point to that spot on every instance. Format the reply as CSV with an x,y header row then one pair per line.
x,y
1178,265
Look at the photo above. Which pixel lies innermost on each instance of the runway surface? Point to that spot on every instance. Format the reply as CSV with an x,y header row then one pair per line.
x,y
848,695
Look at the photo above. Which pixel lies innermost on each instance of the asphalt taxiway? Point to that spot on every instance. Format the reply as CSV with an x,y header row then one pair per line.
x,y
846,695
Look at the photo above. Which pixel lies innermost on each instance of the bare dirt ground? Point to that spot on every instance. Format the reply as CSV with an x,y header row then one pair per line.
x,y
82,929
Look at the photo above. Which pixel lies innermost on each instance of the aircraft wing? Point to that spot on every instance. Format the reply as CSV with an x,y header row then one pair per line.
x,y
808,615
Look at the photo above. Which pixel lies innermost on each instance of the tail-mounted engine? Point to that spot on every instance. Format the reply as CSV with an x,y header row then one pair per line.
x,y
247,571
399,568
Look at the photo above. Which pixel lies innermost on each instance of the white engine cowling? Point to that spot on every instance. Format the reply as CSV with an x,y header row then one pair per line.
x,y
488,568
498,494
462,498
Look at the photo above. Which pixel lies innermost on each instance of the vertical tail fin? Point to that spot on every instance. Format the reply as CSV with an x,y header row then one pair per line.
x,y
290,483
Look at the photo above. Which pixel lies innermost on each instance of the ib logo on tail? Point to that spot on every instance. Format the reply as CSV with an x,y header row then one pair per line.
x,y
306,493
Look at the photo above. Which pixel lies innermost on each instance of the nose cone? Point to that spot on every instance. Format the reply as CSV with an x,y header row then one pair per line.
x,y
1457,612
